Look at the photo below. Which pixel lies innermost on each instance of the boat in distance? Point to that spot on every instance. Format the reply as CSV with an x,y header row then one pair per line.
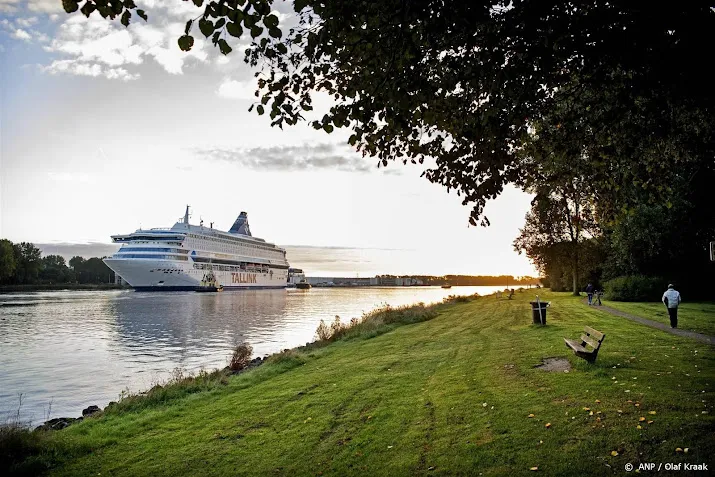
x,y
188,257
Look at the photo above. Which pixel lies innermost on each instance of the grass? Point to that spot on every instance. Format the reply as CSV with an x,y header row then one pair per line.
x,y
446,395
698,317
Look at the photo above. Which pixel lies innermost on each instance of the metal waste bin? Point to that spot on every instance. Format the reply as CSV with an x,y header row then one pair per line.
x,y
538,311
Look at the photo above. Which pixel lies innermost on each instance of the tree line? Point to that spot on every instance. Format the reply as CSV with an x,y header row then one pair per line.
x,y
23,264
478,280
574,235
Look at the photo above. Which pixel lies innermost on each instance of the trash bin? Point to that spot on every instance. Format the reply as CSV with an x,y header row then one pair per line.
x,y
538,311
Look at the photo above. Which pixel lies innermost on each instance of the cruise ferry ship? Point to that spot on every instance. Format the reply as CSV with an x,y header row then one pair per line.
x,y
181,257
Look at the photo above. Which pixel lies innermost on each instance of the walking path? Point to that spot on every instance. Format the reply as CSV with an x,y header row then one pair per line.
x,y
661,326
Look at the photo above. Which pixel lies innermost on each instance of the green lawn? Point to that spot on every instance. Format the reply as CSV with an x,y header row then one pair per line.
x,y
450,396
699,317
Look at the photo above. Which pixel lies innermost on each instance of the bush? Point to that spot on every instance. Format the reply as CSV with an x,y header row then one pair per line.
x,y
22,451
635,288
323,332
241,357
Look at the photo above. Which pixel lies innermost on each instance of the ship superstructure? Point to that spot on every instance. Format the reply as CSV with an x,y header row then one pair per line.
x,y
178,258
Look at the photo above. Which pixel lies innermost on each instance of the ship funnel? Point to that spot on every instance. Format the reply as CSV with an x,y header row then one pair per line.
x,y
240,226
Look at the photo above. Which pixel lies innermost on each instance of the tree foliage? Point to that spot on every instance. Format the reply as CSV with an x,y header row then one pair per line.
x,y
23,264
463,83
7,260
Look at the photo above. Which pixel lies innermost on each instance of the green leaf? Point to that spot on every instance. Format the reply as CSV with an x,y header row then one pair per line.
x,y
271,21
70,6
215,38
328,128
125,18
188,26
259,109
206,27
142,14
256,31
103,10
186,42
223,46
130,4
282,49
88,8
221,22
198,3
234,29
275,32
117,7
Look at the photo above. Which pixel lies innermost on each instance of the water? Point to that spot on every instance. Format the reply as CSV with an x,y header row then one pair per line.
x,y
63,351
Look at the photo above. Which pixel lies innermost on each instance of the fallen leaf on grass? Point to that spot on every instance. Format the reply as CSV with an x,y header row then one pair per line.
x,y
590,413
598,401
641,419
547,425
639,426
650,422
586,408
614,453
678,449
534,469
530,415
651,412
687,448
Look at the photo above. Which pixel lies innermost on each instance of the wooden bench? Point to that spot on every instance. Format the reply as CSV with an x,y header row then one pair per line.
x,y
592,338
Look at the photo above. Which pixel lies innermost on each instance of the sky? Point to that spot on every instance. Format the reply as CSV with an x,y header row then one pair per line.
x,y
106,129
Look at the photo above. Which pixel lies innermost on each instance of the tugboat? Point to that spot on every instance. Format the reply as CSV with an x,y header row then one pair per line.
x,y
209,284
302,285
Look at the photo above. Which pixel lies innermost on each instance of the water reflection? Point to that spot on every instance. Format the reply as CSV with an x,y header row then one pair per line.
x,y
78,348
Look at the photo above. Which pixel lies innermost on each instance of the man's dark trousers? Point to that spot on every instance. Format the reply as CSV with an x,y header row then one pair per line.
x,y
673,313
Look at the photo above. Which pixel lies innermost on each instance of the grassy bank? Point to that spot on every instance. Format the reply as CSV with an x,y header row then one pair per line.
x,y
698,317
447,396
62,286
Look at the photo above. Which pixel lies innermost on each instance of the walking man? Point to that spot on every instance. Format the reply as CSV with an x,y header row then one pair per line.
x,y
589,292
671,299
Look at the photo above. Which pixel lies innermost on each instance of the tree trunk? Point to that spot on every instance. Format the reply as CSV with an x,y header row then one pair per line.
x,y
575,290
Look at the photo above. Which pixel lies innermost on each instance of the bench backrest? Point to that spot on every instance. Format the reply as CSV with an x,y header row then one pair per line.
x,y
592,337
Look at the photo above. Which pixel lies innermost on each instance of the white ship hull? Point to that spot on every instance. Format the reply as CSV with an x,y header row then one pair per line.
x,y
181,258
157,275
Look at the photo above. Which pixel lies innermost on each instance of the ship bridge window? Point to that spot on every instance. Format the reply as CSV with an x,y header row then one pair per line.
x,y
151,249
152,256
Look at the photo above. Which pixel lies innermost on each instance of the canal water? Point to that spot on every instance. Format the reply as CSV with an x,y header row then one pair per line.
x,y
62,351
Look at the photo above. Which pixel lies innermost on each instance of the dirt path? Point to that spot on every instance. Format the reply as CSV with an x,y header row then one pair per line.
x,y
661,326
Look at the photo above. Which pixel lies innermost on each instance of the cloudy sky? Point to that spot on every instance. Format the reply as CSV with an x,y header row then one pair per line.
x,y
105,129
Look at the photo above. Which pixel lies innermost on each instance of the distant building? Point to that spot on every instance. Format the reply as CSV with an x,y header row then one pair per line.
x,y
390,281
340,281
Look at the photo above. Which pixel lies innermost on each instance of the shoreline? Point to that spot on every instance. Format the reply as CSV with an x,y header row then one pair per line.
x,y
383,397
62,286
379,316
